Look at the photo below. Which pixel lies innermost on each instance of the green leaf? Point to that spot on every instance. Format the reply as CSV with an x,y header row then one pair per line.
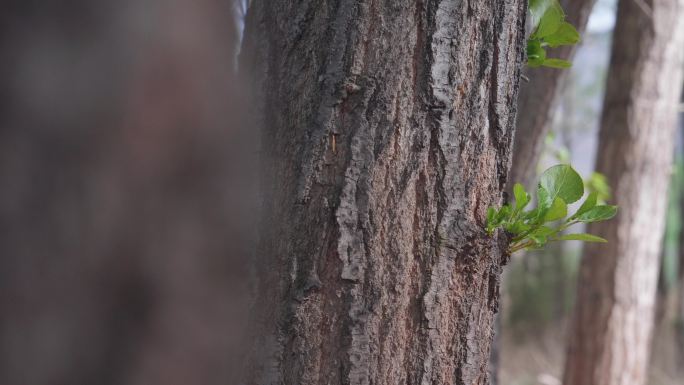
x,y
503,214
581,237
543,231
562,181
566,34
597,182
491,216
522,198
538,8
544,203
556,63
539,241
598,213
588,204
532,214
536,55
517,227
558,210
540,235
491,213
551,21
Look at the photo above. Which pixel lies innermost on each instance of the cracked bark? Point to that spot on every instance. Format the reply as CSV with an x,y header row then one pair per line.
x,y
388,126
610,338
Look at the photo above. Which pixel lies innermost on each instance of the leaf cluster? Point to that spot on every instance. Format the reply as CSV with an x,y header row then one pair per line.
x,y
550,30
532,228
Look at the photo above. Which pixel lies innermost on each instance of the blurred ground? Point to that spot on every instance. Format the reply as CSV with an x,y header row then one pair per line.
x,y
533,348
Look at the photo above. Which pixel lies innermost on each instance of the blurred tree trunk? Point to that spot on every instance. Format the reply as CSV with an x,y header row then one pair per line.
x,y
536,105
679,315
122,205
387,126
609,341
538,99
679,322
661,286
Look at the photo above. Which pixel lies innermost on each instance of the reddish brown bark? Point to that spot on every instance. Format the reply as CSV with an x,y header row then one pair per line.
x,y
389,127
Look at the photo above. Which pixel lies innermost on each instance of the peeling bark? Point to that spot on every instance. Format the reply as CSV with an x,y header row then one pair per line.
x,y
610,338
388,127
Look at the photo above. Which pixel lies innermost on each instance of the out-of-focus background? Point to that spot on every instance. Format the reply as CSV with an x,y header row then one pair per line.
x,y
539,289
124,192
126,201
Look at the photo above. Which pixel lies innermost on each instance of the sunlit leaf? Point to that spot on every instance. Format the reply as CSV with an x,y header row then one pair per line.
x,y
598,213
556,63
581,237
562,181
558,210
587,205
566,34
522,198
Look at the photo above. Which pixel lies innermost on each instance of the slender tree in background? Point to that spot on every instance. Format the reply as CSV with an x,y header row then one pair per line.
x,y
609,341
538,99
536,104
679,315
679,321
388,127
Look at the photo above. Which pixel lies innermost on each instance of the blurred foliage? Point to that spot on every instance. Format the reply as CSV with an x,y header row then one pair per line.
x,y
541,288
673,223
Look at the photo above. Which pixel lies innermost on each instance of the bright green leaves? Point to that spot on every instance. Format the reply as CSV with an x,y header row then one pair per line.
x,y
562,181
551,20
539,7
558,186
557,63
566,34
558,210
549,29
522,198
536,55
598,213
581,237
587,205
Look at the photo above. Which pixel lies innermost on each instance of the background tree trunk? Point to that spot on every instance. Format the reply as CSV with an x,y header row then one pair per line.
x,y
610,339
679,306
125,193
538,99
389,126
536,104
679,320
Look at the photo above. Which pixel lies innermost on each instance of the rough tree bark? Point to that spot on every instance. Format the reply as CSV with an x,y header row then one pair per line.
x,y
538,99
388,126
610,338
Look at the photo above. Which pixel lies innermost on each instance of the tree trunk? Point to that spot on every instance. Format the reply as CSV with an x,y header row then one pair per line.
x,y
679,321
679,315
536,104
610,337
538,99
125,193
388,126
